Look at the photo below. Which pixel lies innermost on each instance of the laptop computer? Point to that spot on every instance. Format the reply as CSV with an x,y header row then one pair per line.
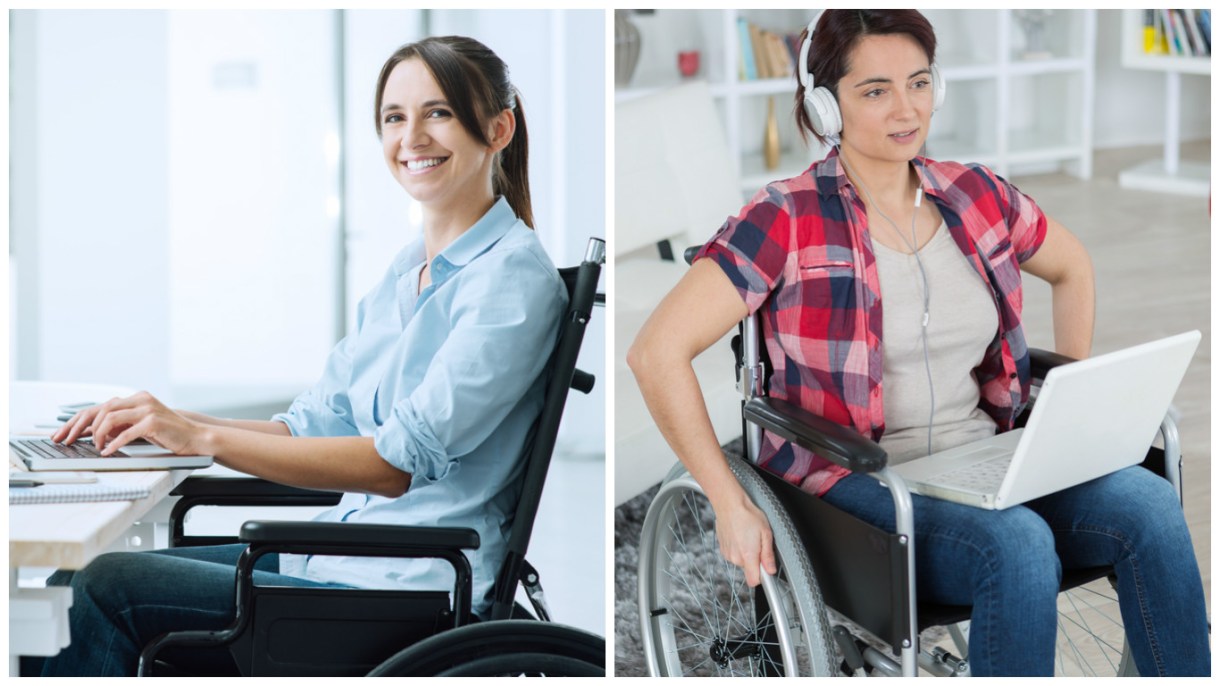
x,y
39,454
1092,417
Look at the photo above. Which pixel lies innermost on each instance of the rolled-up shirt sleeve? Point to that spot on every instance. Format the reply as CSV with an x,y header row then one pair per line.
x,y
504,320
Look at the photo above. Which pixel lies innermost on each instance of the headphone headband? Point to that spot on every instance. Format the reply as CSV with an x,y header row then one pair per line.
x,y
806,75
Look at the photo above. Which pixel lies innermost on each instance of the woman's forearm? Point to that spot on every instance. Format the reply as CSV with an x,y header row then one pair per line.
x,y
350,463
262,426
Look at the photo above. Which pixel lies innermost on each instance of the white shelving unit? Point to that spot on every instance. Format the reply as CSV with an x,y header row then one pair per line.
x,y
1006,111
1169,174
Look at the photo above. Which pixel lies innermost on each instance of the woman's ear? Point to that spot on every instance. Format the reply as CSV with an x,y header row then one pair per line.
x,y
500,130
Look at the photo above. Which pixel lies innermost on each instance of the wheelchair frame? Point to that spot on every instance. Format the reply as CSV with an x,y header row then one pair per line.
x,y
452,633
849,450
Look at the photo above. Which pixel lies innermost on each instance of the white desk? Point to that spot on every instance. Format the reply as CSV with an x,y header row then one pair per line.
x,y
63,536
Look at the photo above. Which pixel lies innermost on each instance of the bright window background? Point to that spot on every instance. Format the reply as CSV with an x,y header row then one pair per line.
x,y
198,198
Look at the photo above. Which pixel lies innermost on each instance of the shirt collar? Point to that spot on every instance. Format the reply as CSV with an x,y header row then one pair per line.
x,y
476,240
831,177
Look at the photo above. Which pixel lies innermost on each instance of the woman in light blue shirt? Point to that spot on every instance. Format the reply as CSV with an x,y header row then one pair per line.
x,y
423,410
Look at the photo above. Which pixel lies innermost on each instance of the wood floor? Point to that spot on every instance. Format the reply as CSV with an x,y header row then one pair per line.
x,y
1152,257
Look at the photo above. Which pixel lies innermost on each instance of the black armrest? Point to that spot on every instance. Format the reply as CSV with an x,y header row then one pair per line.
x,y
689,253
250,490
337,534
835,442
1042,361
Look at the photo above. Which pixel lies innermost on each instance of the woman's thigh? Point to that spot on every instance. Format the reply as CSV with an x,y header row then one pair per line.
x,y
958,547
1096,523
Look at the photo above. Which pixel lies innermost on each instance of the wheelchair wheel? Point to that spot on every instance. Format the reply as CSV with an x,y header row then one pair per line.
x,y
510,647
697,614
1091,640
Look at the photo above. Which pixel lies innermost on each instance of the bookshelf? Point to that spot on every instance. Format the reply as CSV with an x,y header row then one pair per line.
x,y
1169,174
1013,113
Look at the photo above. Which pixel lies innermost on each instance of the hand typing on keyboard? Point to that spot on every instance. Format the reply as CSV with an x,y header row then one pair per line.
x,y
120,421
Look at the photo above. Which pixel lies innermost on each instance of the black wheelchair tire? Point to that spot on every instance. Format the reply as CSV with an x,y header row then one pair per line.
x,y
526,664
495,645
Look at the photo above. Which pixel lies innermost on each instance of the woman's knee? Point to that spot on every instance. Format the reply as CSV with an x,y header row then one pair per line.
x,y
1021,549
108,577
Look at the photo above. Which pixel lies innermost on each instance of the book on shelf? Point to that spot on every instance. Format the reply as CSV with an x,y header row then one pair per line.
x,y
765,54
1177,32
745,55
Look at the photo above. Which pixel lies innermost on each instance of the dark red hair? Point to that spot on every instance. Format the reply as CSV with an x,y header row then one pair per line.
x,y
836,35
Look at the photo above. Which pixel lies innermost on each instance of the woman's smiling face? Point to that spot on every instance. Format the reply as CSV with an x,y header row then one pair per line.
x,y
886,98
433,157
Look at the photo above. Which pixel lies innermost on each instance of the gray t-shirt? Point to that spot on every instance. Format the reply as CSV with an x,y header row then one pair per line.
x,y
962,322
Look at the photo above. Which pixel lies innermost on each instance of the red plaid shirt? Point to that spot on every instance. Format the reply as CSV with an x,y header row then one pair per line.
x,y
801,249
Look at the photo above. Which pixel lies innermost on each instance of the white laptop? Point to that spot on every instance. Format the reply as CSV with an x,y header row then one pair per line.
x,y
1092,417
39,454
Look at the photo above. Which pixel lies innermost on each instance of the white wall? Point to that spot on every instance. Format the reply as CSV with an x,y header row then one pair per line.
x,y
253,152
89,196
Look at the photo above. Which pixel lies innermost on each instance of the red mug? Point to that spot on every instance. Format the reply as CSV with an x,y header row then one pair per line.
x,y
688,62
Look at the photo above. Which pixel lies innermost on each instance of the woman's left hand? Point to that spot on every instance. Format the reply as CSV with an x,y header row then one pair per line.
x,y
119,421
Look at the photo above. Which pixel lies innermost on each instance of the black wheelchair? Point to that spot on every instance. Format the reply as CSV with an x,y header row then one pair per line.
x,y
698,616
342,632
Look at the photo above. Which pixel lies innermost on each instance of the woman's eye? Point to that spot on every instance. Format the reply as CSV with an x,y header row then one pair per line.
x,y
438,114
922,83
393,119
874,93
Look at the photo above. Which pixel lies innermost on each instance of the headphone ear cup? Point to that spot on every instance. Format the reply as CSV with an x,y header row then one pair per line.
x,y
938,89
823,111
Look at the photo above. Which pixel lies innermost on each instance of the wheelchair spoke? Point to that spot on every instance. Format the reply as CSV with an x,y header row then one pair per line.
x,y
714,627
1099,608
696,512
692,670
1082,624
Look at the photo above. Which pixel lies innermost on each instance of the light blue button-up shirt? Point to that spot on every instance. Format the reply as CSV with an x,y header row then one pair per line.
x,y
448,382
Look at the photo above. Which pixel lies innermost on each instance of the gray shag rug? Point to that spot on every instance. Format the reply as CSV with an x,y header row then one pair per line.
x,y
628,520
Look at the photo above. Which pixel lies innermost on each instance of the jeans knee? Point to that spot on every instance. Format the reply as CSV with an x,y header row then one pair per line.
x,y
105,578
1023,554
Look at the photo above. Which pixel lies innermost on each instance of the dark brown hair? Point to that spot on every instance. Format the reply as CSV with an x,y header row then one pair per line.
x,y
476,84
836,35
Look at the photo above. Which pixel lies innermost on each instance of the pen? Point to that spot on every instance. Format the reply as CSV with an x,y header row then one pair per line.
x,y
23,483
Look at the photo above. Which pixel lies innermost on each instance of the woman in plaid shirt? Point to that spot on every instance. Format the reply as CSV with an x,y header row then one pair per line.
x,y
946,244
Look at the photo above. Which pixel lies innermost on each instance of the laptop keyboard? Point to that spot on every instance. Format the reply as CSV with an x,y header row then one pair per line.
x,y
58,451
985,476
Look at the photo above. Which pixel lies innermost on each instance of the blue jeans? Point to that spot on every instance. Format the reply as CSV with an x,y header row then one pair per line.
x,y
121,601
1007,564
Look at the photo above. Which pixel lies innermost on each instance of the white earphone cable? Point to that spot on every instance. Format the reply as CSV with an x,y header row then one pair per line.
x,y
927,296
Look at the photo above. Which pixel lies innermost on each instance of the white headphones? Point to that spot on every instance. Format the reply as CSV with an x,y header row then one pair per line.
x,y
820,103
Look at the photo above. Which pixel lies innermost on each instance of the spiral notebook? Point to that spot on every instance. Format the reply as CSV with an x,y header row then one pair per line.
x,y
75,493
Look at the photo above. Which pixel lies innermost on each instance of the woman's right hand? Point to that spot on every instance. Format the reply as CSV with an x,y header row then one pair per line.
x,y
745,538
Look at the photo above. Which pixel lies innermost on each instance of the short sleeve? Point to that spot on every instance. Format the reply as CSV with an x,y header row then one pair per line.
x,y
752,248
1026,221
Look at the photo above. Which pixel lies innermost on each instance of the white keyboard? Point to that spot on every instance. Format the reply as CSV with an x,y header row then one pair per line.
x,y
985,476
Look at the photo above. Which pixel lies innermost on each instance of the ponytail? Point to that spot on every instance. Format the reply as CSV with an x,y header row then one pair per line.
x,y
512,178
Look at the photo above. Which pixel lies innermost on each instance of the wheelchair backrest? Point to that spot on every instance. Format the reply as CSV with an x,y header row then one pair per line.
x,y
581,282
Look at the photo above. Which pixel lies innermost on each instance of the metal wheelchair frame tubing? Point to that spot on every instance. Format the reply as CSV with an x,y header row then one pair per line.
x,y
245,589
751,387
